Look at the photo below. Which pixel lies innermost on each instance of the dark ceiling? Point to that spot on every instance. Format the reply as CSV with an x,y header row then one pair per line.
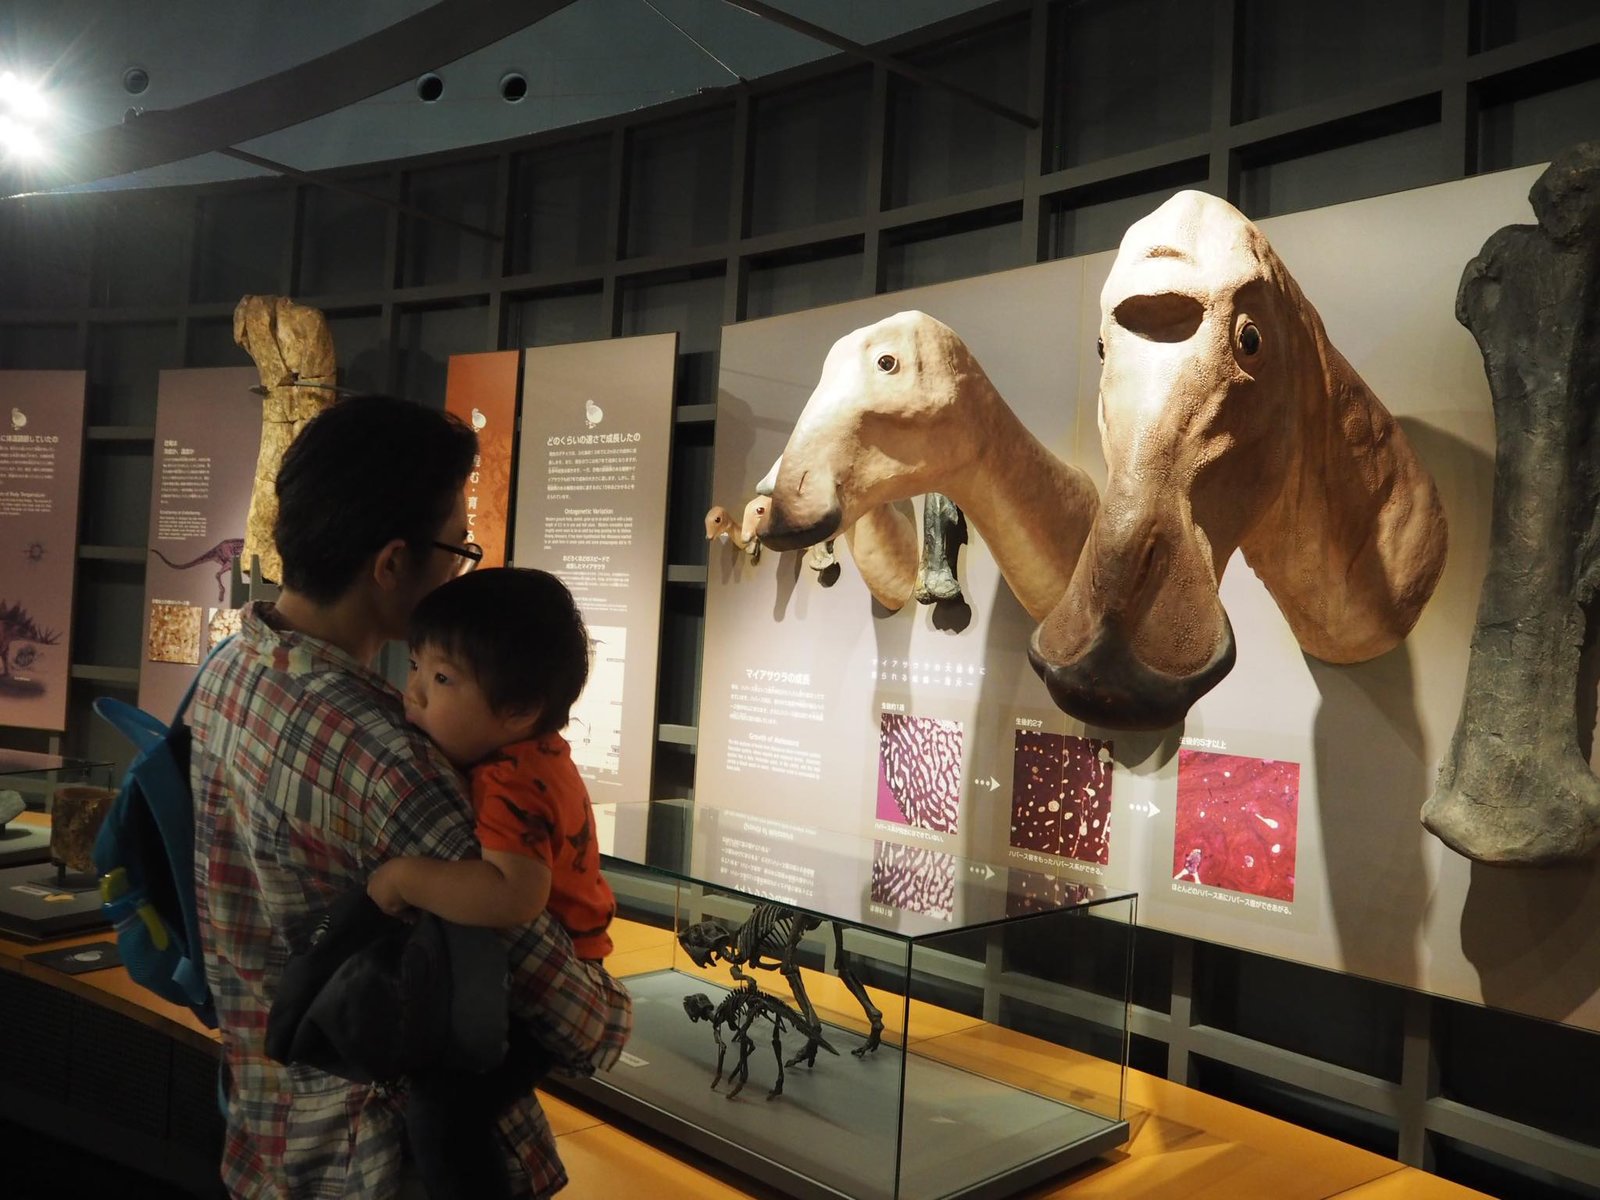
x,y
316,85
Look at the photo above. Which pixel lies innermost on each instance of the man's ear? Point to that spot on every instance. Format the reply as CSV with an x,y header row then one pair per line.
x,y
391,564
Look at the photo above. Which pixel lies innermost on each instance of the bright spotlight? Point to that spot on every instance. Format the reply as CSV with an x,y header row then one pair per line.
x,y
22,99
17,140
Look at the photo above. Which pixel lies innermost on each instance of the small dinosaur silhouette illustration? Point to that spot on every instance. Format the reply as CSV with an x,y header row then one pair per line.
x,y
17,626
224,553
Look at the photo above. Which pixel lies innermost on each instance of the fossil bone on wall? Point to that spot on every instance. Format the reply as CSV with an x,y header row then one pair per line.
x,y
1516,786
293,351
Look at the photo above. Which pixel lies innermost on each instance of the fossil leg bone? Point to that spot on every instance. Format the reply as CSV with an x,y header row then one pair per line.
x,y
1516,787
293,351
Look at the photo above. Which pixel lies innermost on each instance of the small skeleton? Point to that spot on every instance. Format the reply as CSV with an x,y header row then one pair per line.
x,y
767,941
739,1010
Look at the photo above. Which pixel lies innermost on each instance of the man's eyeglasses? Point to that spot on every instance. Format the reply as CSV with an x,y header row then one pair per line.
x,y
471,555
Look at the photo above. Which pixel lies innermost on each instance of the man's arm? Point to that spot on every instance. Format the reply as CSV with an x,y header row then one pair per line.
x,y
500,890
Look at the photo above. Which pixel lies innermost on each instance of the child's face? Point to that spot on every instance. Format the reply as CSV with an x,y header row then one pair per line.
x,y
443,700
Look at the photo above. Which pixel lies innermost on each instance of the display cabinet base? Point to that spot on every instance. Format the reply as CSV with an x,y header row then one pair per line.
x,y
23,844
34,911
832,1132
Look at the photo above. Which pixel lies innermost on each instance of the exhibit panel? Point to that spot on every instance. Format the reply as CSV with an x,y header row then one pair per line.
x,y
798,1032
41,457
593,465
1280,815
208,435
481,389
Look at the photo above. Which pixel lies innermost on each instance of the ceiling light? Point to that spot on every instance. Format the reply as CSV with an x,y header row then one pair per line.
x,y
22,99
429,88
513,86
17,140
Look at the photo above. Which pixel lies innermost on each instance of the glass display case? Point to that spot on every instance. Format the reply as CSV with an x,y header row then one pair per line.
x,y
40,899
28,779
840,1016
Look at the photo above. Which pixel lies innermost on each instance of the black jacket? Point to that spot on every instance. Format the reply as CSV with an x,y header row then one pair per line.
x,y
372,998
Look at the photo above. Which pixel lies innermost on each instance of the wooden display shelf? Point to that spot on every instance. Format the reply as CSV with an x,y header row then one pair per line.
x,y
1183,1143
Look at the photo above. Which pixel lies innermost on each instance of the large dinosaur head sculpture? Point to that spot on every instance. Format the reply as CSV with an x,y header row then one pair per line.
x,y
1229,421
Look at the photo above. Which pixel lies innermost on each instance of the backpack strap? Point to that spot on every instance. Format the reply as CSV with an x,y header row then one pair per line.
x,y
138,726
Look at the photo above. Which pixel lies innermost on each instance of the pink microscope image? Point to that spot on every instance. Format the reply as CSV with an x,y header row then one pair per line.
x,y
1237,823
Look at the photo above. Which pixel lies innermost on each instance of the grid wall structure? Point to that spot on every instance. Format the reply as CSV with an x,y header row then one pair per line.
x,y
831,182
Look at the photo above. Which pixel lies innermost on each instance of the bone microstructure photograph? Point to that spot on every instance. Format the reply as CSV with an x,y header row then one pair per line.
x,y
915,879
175,632
1061,795
919,771
1034,891
1237,823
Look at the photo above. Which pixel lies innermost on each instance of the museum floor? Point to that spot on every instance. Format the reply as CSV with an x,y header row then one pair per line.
x,y
1184,1144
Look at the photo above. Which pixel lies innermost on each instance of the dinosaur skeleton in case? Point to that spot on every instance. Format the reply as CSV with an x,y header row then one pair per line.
x,y
739,1010
768,941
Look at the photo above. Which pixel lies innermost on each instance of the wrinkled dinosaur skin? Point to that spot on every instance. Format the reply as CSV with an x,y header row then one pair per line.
x,y
1516,787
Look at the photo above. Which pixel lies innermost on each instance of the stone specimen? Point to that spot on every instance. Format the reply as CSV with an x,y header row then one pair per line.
x,y
1516,786
76,812
1229,421
293,351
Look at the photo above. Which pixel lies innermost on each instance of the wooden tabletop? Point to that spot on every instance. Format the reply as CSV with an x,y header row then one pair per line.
x,y
110,988
1183,1144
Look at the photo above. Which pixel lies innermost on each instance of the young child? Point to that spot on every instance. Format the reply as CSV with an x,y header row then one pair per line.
x,y
498,658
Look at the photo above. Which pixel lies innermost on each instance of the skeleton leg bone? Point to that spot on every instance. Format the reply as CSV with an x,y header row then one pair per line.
x,y
859,991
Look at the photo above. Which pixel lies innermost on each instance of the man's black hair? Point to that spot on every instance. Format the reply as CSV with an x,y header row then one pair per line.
x,y
518,631
364,472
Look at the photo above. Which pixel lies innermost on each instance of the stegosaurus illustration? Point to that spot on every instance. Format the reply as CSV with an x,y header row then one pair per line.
x,y
16,625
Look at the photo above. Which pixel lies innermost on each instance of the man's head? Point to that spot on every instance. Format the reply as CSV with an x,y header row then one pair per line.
x,y
497,656
369,490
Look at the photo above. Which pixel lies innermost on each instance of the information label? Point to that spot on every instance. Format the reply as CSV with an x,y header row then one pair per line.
x,y
41,456
208,435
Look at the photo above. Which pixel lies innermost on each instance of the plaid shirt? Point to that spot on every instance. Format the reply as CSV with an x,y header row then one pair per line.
x,y
306,776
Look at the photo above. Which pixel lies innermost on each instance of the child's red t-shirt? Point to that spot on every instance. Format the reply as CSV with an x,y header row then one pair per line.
x,y
529,799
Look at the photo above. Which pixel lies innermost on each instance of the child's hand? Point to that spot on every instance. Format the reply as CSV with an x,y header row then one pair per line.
x,y
384,887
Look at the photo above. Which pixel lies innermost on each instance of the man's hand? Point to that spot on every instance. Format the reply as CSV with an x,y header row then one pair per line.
x,y
386,887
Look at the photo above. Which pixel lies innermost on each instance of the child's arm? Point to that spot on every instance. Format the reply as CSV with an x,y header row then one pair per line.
x,y
499,890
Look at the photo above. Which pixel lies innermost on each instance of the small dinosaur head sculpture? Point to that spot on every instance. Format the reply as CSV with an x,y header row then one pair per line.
x,y
698,1006
719,523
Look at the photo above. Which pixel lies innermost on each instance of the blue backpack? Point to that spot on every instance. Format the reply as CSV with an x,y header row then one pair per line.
x,y
144,856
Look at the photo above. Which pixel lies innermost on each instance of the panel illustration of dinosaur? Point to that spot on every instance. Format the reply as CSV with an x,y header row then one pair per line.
x,y
1229,421
19,633
902,409
224,554
1515,786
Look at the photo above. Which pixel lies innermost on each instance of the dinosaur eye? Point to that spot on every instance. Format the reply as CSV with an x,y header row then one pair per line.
x,y
1100,348
888,364
1249,339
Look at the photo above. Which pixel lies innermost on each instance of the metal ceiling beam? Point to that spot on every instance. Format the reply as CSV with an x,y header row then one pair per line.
x,y
422,42
888,62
